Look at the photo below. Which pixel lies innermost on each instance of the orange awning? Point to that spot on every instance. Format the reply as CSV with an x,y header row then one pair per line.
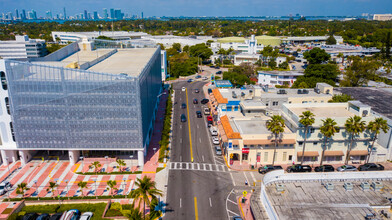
x,y
308,154
228,129
358,153
333,153
266,141
235,142
218,96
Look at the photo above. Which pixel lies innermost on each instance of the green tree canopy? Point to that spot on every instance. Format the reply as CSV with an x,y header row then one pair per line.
x,y
316,56
359,73
102,37
325,71
200,50
331,40
340,98
177,46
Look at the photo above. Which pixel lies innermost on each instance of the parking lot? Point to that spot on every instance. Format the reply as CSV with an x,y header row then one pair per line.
x,y
313,201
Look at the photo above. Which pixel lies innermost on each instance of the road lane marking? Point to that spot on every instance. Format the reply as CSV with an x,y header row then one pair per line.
x,y
196,213
246,178
180,158
180,203
180,140
210,202
232,212
180,126
232,179
232,201
202,156
189,125
197,126
200,140
253,177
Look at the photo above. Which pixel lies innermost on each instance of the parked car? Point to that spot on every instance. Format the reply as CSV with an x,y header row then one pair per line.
x,y
214,131
30,216
72,214
190,80
268,168
197,91
209,119
44,216
86,216
218,151
206,111
346,168
183,118
219,72
204,101
237,218
4,187
183,105
198,114
370,167
299,168
198,77
205,78
217,67
212,66
183,89
195,101
56,216
209,91
324,168
215,140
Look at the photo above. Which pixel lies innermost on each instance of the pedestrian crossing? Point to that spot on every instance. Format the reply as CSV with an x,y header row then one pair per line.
x,y
197,166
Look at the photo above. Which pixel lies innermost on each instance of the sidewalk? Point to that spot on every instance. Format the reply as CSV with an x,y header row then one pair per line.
x,y
246,213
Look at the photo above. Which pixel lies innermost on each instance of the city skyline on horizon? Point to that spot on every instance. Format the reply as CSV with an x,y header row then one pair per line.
x,y
177,8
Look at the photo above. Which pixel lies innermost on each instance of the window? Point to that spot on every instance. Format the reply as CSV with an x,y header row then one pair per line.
x,y
300,142
266,145
290,157
3,80
265,156
274,103
251,146
291,145
315,143
312,130
7,104
289,102
285,145
304,102
284,158
245,146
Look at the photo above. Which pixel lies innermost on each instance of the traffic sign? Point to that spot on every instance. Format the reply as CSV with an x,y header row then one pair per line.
x,y
231,156
244,193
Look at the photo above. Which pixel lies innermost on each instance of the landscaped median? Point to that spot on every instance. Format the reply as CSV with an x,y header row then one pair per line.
x,y
164,143
111,173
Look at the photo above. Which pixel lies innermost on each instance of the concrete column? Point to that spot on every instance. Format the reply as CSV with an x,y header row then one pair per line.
x,y
140,158
25,156
73,156
10,154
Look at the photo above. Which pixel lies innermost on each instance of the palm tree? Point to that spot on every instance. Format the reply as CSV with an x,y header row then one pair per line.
x,y
354,126
95,165
276,126
132,213
375,127
328,129
111,185
51,187
146,188
21,188
82,185
307,119
341,55
120,163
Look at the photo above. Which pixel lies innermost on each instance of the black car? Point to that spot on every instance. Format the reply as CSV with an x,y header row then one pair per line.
x,y
195,101
183,118
219,72
44,216
209,91
183,105
268,168
324,168
198,114
197,91
217,67
370,167
56,216
299,168
190,80
204,101
30,216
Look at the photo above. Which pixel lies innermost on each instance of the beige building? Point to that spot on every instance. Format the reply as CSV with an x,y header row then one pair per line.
x,y
248,140
382,17
336,149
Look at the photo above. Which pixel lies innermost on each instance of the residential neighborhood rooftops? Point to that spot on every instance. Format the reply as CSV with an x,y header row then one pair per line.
x,y
322,110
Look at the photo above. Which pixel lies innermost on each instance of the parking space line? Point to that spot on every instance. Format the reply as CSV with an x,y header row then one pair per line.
x,y
253,177
232,179
180,203
232,201
210,202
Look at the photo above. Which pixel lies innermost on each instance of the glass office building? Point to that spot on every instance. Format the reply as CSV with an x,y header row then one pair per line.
x,y
57,108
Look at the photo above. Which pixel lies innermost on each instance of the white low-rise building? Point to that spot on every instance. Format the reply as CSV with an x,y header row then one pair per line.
x,y
273,78
22,47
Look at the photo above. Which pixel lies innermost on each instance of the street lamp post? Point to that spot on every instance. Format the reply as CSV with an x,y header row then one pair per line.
x,y
36,187
82,158
107,165
66,185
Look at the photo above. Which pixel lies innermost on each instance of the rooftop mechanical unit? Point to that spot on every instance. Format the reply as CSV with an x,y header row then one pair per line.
x,y
377,186
365,186
348,186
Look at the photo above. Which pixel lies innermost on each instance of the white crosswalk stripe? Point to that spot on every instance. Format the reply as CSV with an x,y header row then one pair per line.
x,y
197,166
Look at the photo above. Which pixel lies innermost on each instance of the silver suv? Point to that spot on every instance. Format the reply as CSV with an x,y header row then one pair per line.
x,y
4,187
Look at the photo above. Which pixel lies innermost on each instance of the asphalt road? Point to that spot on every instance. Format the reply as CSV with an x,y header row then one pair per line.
x,y
194,193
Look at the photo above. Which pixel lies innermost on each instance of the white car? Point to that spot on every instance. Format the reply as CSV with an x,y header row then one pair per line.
x,y
183,89
4,187
215,140
345,168
205,78
214,131
86,216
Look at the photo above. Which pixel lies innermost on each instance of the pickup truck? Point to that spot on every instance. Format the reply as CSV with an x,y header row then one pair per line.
x,y
299,168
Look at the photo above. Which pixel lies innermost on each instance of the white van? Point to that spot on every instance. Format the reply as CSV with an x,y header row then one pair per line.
x,y
214,131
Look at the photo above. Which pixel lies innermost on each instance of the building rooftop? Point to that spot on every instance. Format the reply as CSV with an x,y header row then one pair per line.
x,y
282,73
128,61
94,34
378,98
252,126
329,110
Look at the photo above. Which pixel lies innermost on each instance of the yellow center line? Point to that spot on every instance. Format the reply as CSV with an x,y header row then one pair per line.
x,y
189,124
196,213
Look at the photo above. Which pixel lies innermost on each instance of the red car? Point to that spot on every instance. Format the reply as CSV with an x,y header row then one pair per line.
x,y
209,119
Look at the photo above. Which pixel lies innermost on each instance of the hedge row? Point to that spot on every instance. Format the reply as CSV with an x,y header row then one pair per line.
x,y
66,198
164,143
111,173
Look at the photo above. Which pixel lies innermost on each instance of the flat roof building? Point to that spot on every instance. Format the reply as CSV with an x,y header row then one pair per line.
x,y
65,37
91,100
281,78
22,47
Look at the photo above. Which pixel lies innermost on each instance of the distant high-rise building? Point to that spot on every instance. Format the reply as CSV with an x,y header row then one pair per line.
x,y
95,15
85,15
105,13
112,13
34,13
89,16
16,14
49,15
65,14
118,15
23,14
9,16
142,15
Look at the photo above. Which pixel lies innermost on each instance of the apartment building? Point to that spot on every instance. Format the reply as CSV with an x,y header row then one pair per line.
x,y
22,47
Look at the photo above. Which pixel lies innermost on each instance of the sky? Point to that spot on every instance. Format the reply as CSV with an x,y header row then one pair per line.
x,y
206,7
